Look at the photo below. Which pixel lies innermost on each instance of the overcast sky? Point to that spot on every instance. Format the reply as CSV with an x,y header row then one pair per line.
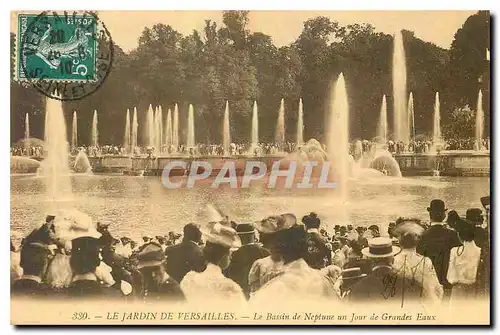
x,y
438,27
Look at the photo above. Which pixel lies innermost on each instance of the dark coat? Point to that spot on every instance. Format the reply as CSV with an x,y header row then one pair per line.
x,y
168,291
29,287
436,243
318,255
385,284
182,258
241,263
90,289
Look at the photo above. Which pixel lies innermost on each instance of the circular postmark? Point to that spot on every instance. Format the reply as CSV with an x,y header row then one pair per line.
x,y
64,56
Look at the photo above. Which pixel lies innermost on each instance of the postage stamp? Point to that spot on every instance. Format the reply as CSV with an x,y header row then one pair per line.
x,y
65,56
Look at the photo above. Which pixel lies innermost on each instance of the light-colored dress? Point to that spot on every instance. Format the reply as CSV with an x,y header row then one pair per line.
x,y
212,287
262,271
420,269
297,284
462,272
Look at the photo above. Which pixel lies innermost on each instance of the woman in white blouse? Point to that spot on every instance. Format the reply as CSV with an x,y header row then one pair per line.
x,y
464,261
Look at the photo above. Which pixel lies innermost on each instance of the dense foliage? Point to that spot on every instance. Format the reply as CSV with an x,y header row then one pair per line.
x,y
231,63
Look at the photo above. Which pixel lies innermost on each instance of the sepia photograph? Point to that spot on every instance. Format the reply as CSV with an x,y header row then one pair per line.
x,y
250,167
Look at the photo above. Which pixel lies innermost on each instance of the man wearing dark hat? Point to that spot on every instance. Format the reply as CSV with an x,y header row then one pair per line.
x,y
34,262
318,254
475,217
84,261
437,242
384,284
187,255
157,285
243,258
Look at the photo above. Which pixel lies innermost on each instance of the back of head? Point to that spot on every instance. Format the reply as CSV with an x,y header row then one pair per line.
x,y
408,240
34,259
465,230
292,243
437,210
85,255
452,218
216,254
311,221
192,232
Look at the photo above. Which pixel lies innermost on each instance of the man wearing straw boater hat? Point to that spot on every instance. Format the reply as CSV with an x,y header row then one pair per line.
x,y
384,284
243,258
298,282
211,284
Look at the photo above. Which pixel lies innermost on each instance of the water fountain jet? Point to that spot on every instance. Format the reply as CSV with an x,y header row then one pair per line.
x,y
401,129
226,131
74,132
300,125
95,132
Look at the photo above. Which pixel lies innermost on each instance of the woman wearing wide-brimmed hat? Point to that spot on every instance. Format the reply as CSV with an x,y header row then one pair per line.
x,y
298,282
211,284
270,230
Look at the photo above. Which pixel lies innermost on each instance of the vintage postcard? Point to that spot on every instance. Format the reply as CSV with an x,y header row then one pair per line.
x,y
250,167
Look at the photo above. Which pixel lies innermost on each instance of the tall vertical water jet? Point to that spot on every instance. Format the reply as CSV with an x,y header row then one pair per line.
x,y
479,121
280,127
168,129
436,131
190,133
126,137
27,134
401,129
135,126
74,132
175,129
150,127
337,139
226,130
300,124
411,116
159,131
95,132
255,126
54,168
382,122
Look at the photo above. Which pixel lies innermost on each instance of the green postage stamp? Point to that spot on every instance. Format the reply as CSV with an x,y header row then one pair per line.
x,y
56,47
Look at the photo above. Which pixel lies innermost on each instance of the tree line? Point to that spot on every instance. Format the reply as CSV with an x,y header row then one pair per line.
x,y
229,62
